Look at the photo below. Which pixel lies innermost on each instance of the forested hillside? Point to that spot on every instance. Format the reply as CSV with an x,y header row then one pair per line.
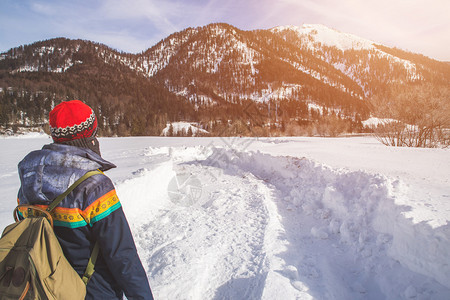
x,y
287,80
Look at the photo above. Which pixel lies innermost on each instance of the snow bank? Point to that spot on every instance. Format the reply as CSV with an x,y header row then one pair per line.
x,y
374,122
183,129
356,208
26,135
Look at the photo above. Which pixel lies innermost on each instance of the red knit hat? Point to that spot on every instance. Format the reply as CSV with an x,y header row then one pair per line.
x,y
72,120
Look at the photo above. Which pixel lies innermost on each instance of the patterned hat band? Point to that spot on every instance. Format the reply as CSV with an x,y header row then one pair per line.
x,y
84,129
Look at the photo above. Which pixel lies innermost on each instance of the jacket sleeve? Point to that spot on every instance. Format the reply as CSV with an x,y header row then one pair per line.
x,y
119,251
110,228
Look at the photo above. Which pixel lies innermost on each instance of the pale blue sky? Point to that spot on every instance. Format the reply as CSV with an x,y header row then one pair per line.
x,y
421,26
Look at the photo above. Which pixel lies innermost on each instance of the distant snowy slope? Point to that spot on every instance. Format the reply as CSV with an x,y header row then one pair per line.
x,y
315,36
317,33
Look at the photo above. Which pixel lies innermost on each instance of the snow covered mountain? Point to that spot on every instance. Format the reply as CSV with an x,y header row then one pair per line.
x,y
216,69
228,55
365,64
312,34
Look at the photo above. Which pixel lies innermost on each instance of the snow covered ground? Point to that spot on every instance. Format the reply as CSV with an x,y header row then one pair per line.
x,y
284,218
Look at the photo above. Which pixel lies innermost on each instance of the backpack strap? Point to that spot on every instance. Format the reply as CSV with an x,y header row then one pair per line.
x,y
71,188
91,264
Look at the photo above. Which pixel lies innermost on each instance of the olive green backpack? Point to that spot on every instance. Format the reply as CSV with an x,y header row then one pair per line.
x,y
32,263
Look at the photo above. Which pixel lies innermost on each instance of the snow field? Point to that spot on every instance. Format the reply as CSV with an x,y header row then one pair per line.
x,y
271,227
218,219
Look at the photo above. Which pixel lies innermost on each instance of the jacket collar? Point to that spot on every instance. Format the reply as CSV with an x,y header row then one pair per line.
x,y
81,152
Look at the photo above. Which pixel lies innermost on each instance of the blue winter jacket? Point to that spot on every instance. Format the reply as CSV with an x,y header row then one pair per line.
x,y
90,213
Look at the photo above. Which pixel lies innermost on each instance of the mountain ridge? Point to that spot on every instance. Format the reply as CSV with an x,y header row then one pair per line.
x,y
217,69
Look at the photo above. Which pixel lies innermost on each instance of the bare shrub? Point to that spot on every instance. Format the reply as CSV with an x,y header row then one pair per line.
x,y
414,116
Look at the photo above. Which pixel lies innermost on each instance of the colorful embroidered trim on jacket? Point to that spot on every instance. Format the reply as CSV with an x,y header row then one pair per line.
x,y
75,217
102,207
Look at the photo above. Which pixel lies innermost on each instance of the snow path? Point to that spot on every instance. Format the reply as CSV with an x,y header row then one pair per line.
x,y
269,227
217,243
